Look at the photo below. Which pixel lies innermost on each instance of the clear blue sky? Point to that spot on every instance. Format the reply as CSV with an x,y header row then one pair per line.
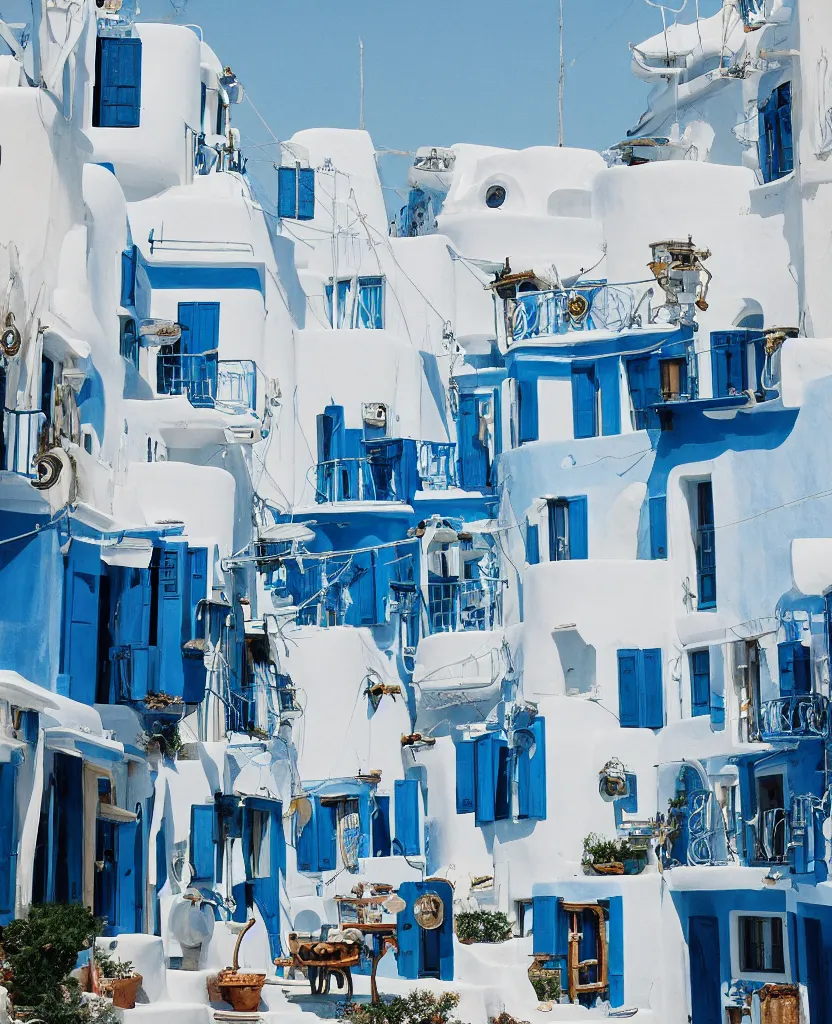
x,y
437,71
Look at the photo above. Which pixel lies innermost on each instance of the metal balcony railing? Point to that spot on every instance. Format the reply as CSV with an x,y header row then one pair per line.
x,y
208,382
773,834
237,385
798,716
392,470
458,606
346,480
437,465
587,307
703,817
20,440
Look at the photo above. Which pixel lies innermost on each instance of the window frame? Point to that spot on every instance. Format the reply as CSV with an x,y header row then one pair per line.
x,y
736,951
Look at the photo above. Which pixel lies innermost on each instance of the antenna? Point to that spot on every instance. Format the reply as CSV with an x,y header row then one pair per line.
x,y
560,75
361,80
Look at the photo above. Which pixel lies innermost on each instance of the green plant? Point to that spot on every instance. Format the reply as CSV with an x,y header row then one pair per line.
x,y
39,952
112,968
600,850
482,926
416,1007
166,735
547,988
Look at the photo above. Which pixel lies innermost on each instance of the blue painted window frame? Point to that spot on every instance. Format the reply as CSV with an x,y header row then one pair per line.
x,y
705,547
700,683
369,313
795,665
568,528
657,515
584,400
296,193
776,143
640,688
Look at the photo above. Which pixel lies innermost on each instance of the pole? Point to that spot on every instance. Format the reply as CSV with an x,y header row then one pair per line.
x,y
560,75
361,78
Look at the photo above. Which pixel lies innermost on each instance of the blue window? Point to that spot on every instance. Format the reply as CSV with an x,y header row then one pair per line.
x,y
527,425
129,341
382,845
466,786
700,683
344,312
370,303
640,691
202,841
795,668
295,192
129,263
117,96
644,378
729,365
568,533
657,512
705,546
584,400
532,543
190,366
316,844
406,793
775,145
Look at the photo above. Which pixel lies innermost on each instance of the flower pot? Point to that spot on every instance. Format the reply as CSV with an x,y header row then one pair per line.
x,y
122,991
241,990
615,868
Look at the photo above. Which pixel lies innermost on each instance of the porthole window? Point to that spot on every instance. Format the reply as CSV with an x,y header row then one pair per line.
x,y
495,197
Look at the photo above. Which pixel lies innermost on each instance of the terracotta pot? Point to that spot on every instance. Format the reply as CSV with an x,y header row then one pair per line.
x,y
607,869
779,1004
241,990
124,991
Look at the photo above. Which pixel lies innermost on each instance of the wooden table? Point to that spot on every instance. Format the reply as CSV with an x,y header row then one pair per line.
x,y
384,936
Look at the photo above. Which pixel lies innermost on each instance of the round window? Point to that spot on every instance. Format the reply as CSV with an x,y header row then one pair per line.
x,y
495,196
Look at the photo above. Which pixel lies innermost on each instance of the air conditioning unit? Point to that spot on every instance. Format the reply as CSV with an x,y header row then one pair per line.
x,y
374,414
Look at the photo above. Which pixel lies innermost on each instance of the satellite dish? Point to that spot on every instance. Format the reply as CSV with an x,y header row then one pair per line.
x,y
429,911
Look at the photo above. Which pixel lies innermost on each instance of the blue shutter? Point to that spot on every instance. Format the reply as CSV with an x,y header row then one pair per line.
x,y
505,770
80,659
473,454
653,690
610,387
544,927
200,326
729,367
118,87
195,675
202,841
129,882
8,844
657,513
784,125
644,379
371,303
327,827
264,889
584,404
306,193
578,528
558,530
171,597
406,792
532,543
628,688
795,668
615,939
306,843
381,827
531,775
131,633
129,260
700,683
527,410
408,933
465,781
486,769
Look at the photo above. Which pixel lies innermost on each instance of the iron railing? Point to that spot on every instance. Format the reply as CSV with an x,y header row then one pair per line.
x,y
457,606
703,817
800,715
437,465
586,307
20,440
208,382
346,480
237,385
393,470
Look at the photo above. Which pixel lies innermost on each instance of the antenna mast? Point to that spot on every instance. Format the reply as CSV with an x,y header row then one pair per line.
x,y
361,79
560,75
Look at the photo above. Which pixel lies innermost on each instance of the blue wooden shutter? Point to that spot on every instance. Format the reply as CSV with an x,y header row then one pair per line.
x,y
527,418
728,362
644,379
584,403
371,303
610,388
195,675
129,882
327,825
532,543
657,513
700,683
8,844
129,260
381,827
544,925
118,87
80,661
408,933
531,775
465,778
628,688
652,689
202,841
287,192
578,528
306,194
473,455
406,792
615,939
306,842
200,326
130,659
171,597
486,768
505,771
783,96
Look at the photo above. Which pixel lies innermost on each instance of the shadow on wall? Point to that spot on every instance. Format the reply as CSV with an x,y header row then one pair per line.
x,y
577,659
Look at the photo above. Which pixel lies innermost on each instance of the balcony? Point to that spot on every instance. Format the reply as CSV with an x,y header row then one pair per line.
x,y
800,716
589,307
20,441
229,385
393,469
459,606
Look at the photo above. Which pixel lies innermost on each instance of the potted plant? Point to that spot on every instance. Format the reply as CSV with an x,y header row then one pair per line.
x,y
117,979
604,856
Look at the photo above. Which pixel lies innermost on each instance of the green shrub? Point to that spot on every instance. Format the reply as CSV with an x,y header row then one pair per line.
x,y
483,926
600,850
416,1007
547,988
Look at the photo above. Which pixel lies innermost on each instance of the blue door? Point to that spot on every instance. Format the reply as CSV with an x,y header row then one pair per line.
x,y
705,546
729,367
703,949
584,401
118,82
817,980
81,613
130,655
200,341
644,378
473,454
